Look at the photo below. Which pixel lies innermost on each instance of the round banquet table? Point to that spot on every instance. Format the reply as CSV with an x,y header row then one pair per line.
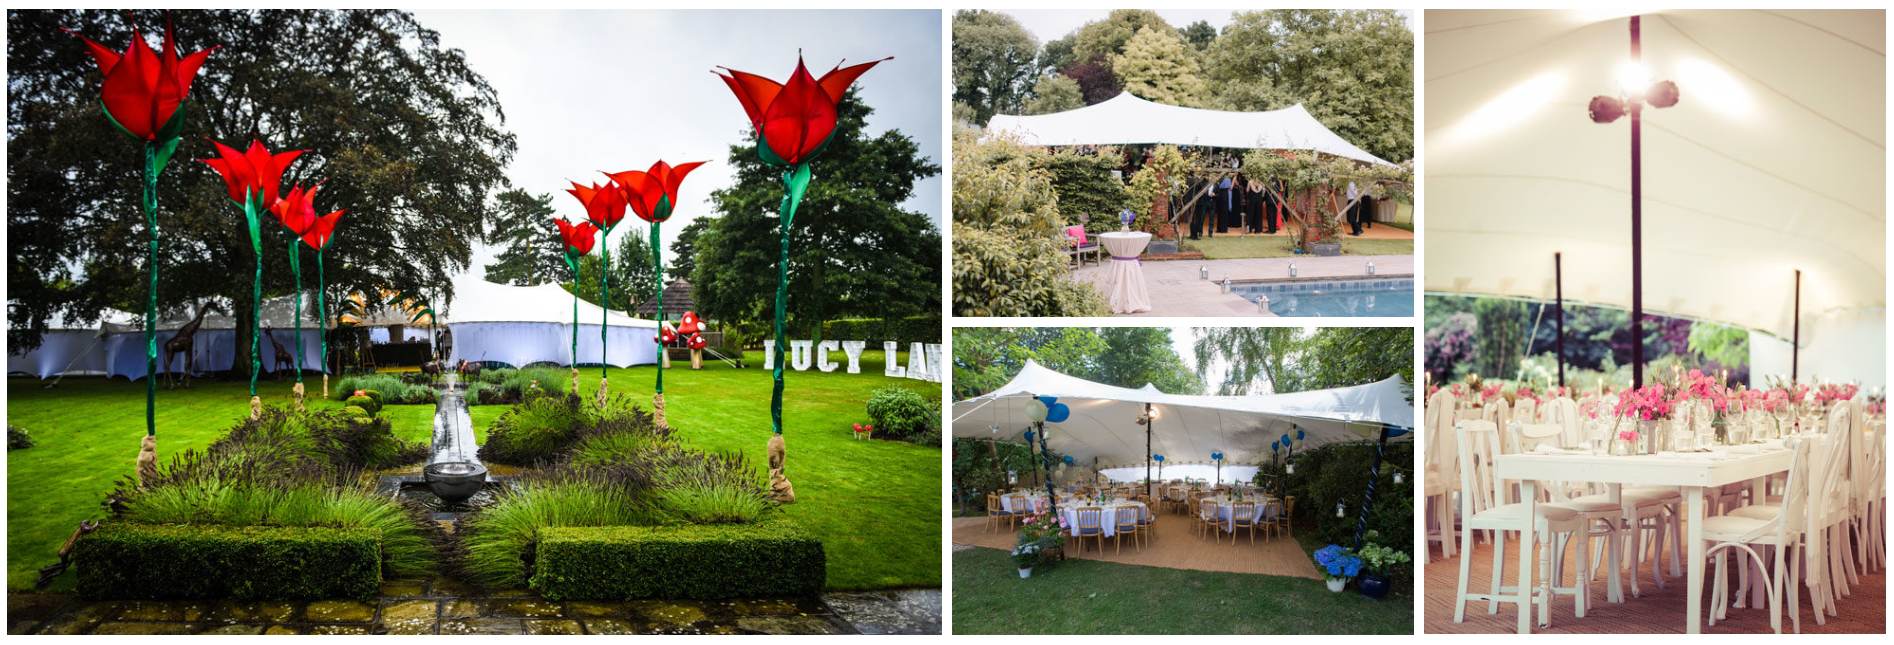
x,y
1225,505
1126,277
1108,520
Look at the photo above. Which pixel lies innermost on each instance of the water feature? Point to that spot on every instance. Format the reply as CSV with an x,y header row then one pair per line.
x,y
454,481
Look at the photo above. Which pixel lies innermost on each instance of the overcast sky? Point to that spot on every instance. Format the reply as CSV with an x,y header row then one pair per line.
x,y
586,91
1052,24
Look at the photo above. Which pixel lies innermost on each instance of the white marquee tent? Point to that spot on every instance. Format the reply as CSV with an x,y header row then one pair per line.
x,y
520,326
1129,120
1103,422
1774,159
116,345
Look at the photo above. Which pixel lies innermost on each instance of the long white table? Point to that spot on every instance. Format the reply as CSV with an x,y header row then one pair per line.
x,y
1691,475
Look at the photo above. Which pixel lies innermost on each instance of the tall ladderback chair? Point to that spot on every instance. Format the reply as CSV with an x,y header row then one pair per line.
x,y
1442,473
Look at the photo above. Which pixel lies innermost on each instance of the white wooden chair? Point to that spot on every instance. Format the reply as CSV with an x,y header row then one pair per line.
x,y
1782,530
1441,477
1479,443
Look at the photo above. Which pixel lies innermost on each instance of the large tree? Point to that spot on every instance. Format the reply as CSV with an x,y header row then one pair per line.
x,y
1108,37
1353,69
1144,355
684,249
995,61
1293,361
1251,357
530,248
1055,93
1157,65
633,278
409,138
854,252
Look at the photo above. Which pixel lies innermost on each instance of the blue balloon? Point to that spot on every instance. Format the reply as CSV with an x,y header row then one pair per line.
x,y
1300,435
1285,440
1058,413
1029,435
1158,457
1216,456
1069,459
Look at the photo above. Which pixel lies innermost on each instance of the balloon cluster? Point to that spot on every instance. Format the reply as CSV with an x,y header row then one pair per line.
x,y
1048,409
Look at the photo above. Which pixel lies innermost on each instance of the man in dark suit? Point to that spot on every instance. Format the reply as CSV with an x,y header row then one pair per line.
x,y
1195,215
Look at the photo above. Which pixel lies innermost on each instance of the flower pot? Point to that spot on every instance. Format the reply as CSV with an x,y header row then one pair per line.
x,y
1026,572
1373,586
1336,584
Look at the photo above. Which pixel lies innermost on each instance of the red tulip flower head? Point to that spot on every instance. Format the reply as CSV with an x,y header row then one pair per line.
x,y
652,193
324,230
690,324
604,206
793,121
297,210
578,238
254,171
143,90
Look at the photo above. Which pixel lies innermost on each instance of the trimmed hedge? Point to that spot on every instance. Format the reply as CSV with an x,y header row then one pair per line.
x,y
773,558
912,329
170,561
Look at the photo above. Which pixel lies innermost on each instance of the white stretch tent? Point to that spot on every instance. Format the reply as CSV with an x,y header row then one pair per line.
x,y
1774,159
71,348
520,326
1129,120
1103,423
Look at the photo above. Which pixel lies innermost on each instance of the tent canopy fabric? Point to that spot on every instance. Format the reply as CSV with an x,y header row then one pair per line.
x,y
1773,159
1129,120
479,301
1103,422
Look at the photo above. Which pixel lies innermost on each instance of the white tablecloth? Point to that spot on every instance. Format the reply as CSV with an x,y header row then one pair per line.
x,y
1224,506
1126,290
1107,519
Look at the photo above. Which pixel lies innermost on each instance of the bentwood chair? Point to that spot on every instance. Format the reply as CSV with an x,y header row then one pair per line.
x,y
994,512
1090,524
1479,445
1783,530
1243,516
1207,519
1288,514
1126,522
1021,508
1147,521
1271,518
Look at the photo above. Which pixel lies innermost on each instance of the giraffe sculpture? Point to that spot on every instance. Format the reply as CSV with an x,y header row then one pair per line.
x,y
184,342
283,357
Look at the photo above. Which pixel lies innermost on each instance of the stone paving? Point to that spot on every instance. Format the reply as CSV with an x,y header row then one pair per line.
x,y
1177,290
444,606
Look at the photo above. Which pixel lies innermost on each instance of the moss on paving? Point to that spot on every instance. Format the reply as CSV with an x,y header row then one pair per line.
x,y
875,504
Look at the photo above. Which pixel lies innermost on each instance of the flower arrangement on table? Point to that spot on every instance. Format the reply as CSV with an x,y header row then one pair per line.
x,y
1828,393
1337,563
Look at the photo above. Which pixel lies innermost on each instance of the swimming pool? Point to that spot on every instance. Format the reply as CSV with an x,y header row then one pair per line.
x,y
1359,297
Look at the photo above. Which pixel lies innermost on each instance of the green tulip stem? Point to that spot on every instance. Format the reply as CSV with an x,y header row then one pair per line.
x,y
151,297
296,267
662,348
795,182
256,288
322,312
574,265
604,301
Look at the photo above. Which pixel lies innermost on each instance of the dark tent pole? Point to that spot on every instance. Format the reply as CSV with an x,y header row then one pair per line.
x,y
1795,344
1148,422
1374,475
1052,498
1637,229
1558,311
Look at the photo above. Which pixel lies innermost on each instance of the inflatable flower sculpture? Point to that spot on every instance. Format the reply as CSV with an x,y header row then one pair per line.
x,y
577,240
143,96
652,195
296,211
254,177
317,237
604,207
793,123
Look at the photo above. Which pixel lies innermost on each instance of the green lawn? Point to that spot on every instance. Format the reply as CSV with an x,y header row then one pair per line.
x,y
876,504
1282,246
1094,597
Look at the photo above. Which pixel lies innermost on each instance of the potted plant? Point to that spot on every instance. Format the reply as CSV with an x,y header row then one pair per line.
x,y
1038,537
1378,565
1337,565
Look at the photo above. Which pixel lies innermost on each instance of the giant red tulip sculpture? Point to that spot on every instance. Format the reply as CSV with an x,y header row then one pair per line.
x,y
578,240
604,206
143,95
652,195
253,177
793,124
318,238
297,212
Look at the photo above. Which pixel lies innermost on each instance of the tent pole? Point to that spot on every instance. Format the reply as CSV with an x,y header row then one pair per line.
x,y
1374,475
1637,228
1795,343
1558,287
1148,422
1045,463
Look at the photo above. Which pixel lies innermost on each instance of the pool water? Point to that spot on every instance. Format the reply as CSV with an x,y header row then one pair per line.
x,y
1359,297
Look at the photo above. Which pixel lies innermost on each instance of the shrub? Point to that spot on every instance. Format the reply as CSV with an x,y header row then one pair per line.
x,y
18,438
405,534
903,413
498,541
244,562
510,386
355,412
389,389
912,329
703,488
533,431
770,559
1008,259
365,403
332,438
1338,473
376,396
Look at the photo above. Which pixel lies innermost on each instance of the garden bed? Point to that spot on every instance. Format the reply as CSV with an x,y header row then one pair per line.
x,y
773,558
185,561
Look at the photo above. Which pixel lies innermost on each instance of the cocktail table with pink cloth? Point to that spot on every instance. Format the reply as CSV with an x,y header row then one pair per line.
x,y
1125,279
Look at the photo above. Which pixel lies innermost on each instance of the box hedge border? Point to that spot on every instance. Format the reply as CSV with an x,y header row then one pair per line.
x,y
912,329
191,561
773,558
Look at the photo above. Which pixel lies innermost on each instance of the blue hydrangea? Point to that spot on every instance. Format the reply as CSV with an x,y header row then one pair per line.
x,y
1338,562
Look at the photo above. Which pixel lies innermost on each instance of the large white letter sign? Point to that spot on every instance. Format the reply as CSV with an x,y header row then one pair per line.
x,y
891,354
933,363
799,351
769,355
917,362
854,350
822,356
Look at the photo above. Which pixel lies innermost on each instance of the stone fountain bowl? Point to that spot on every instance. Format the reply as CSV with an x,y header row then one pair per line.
x,y
455,481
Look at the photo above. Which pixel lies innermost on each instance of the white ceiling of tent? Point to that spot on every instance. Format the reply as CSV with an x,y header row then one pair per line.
x,y
1128,120
1774,159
